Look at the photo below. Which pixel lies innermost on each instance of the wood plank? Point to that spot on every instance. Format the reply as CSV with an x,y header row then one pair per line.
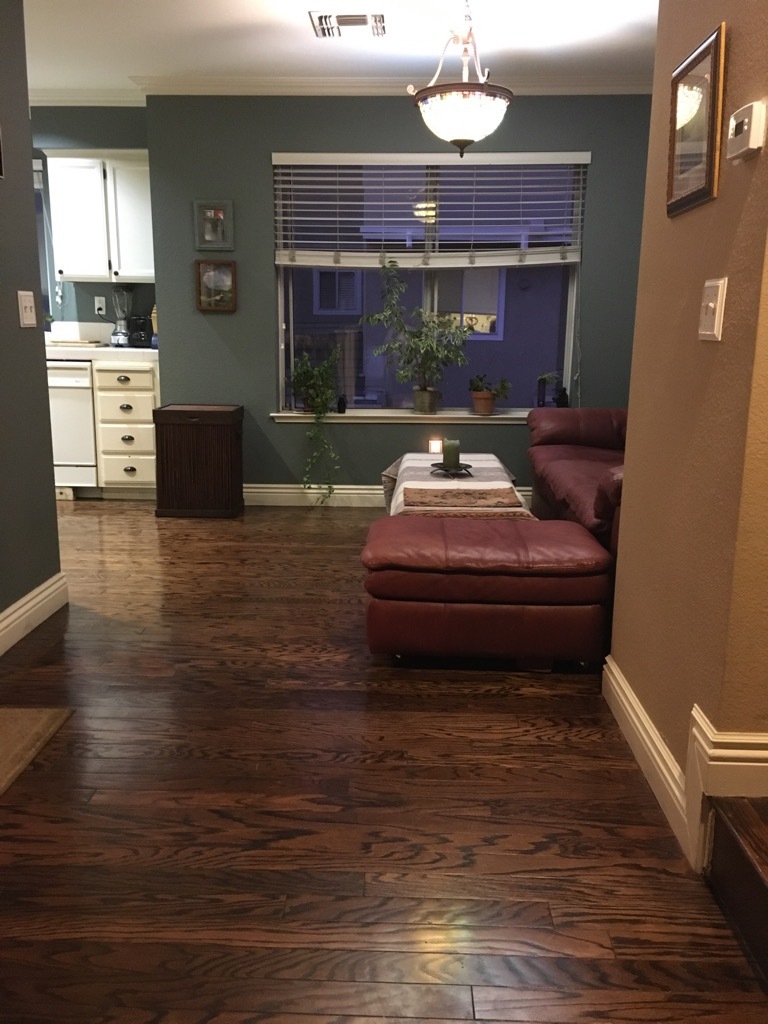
x,y
249,817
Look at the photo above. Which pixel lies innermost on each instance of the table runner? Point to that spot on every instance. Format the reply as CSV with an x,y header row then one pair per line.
x,y
410,487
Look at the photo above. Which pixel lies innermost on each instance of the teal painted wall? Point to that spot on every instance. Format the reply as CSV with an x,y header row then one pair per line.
x,y
29,545
220,148
90,127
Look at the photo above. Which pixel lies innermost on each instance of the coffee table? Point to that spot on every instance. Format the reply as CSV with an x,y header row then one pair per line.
x,y
413,486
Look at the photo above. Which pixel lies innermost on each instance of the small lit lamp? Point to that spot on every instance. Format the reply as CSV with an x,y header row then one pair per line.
x,y
435,446
462,112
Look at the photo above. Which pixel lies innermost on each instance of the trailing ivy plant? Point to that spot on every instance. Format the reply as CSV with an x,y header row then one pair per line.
x,y
316,385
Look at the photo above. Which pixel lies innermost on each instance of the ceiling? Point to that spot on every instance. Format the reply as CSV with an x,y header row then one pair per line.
x,y
114,52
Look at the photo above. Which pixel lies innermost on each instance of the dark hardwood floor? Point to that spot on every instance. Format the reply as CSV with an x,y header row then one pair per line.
x,y
248,818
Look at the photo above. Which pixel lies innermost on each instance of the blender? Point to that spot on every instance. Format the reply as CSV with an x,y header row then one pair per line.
x,y
122,302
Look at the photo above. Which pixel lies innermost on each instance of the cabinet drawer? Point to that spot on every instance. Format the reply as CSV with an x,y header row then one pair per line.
x,y
125,408
127,470
127,437
126,378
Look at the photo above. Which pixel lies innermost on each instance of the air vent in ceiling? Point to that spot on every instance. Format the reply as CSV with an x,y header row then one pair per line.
x,y
328,26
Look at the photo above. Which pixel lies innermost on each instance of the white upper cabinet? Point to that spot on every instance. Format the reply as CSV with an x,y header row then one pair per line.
x,y
101,218
129,219
76,189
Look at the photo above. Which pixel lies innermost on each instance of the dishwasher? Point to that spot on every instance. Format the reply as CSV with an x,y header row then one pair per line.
x,y
70,394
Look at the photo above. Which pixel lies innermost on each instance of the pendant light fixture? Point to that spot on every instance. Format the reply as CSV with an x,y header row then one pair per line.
x,y
462,112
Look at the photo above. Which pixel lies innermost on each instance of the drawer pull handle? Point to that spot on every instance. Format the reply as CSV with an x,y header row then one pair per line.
x,y
127,438
129,469
123,379
125,407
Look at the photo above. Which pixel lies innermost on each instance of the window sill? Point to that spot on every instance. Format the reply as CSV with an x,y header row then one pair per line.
x,y
359,416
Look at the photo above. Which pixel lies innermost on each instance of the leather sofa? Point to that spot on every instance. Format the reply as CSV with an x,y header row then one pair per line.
x,y
532,591
577,458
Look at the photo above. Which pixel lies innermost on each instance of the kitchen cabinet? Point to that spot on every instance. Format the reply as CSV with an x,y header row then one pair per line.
x,y
126,395
101,217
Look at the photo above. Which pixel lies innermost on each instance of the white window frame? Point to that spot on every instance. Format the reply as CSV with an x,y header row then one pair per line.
x,y
434,260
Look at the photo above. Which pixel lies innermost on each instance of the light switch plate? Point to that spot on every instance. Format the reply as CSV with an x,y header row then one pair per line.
x,y
712,306
27,314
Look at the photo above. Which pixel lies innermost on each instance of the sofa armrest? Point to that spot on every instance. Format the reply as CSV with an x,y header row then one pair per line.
x,y
608,496
593,428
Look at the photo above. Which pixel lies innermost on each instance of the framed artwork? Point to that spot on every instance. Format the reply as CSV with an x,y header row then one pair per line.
x,y
216,286
214,228
695,125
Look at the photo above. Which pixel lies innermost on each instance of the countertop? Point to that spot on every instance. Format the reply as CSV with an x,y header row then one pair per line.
x,y
98,353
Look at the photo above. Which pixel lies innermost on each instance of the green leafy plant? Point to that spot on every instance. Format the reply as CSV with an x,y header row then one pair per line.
x,y
422,344
545,380
552,377
481,383
316,385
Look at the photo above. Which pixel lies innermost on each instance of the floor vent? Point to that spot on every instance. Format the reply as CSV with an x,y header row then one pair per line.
x,y
328,26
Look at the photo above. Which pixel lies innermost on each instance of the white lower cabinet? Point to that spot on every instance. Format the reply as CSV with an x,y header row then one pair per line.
x,y
126,394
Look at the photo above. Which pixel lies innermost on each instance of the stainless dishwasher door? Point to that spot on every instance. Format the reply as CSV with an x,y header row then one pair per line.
x,y
70,393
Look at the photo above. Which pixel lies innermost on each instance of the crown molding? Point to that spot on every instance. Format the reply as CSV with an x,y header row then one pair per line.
x,y
87,98
247,85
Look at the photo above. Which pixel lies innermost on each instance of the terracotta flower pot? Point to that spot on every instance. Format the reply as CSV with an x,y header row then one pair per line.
x,y
483,403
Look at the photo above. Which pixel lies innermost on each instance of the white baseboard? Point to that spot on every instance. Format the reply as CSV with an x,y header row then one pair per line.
x,y
720,764
23,616
717,764
347,495
651,752
295,494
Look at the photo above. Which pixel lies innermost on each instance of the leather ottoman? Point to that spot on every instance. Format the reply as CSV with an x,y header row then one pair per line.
x,y
537,591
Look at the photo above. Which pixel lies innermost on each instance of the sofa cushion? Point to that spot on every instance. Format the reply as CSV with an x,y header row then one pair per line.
x,y
570,479
584,427
488,561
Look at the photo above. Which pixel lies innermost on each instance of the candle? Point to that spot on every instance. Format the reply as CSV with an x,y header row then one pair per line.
x,y
435,446
450,454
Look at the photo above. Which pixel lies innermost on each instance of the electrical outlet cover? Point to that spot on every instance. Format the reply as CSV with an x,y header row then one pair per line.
x,y
27,314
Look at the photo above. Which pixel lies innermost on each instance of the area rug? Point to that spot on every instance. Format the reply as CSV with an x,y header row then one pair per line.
x,y
23,734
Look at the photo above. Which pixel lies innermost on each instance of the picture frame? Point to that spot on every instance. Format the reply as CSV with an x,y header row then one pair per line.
x,y
695,125
216,286
214,224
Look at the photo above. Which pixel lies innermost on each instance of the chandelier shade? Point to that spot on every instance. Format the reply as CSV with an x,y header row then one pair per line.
x,y
689,99
462,112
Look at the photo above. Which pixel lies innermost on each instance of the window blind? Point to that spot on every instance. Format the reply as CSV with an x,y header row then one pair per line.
x,y
361,210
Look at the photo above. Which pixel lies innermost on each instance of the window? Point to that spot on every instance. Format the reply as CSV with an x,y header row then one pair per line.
x,y
336,292
494,241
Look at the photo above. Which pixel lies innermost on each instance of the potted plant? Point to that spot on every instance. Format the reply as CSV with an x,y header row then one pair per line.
x,y
421,343
484,393
316,385
552,377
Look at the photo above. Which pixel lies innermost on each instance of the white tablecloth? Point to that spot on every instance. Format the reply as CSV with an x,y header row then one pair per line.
x,y
412,487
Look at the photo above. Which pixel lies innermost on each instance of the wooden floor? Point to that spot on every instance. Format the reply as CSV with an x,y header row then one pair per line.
x,y
248,818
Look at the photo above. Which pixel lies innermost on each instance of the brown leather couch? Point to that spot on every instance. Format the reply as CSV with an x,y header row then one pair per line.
x,y
577,457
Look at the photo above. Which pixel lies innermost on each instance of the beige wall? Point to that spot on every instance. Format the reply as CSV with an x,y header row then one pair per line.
x,y
691,620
